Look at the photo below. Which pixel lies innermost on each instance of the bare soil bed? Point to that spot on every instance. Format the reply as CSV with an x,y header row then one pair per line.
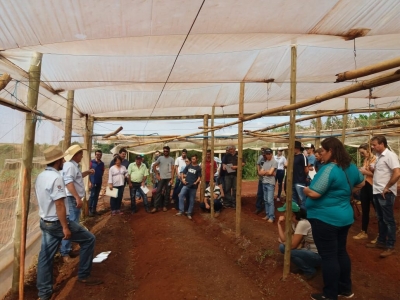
x,y
162,256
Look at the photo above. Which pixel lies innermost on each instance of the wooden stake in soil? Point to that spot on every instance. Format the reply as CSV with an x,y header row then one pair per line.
x,y
344,125
318,133
239,170
87,140
289,173
68,120
24,194
212,171
203,159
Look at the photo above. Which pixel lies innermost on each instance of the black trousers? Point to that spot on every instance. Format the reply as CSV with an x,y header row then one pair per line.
x,y
366,198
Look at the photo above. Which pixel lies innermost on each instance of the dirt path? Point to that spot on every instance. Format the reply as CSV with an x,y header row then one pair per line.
x,y
163,256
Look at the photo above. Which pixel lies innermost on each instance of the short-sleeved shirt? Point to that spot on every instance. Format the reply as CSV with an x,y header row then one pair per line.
x,y
217,191
165,164
50,187
208,169
230,159
367,161
192,174
299,163
137,173
303,227
385,163
117,176
281,160
311,159
72,173
333,207
125,163
260,162
267,165
180,163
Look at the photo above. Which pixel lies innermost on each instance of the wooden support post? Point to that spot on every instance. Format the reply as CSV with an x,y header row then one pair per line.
x,y
239,163
87,140
346,106
318,133
24,194
289,173
68,120
203,159
212,171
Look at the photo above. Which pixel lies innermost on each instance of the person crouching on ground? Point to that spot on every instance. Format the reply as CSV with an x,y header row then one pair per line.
x,y
190,178
56,226
116,179
304,256
205,205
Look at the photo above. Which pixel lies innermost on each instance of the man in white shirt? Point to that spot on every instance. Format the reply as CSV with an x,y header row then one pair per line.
x,y
386,174
280,172
56,225
73,179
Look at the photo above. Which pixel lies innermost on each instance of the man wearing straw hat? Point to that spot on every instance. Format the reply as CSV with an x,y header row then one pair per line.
x,y
73,179
56,225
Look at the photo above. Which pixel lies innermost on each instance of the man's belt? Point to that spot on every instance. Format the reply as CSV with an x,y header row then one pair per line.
x,y
49,221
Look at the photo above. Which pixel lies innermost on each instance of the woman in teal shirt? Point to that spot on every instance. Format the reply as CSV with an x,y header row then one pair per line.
x,y
330,213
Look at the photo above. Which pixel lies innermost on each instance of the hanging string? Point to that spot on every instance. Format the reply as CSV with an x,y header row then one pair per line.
x,y
15,93
355,58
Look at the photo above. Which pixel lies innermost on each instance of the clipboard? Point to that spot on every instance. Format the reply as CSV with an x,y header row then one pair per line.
x,y
112,193
229,168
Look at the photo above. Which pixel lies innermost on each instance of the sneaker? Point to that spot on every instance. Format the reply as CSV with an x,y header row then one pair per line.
x,y
90,280
216,214
91,214
73,253
270,221
113,213
278,200
361,236
347,295
121,213
258,211
387,252
153,210
179,214
266,218
319,296
164,209
377,245
375,240
189,217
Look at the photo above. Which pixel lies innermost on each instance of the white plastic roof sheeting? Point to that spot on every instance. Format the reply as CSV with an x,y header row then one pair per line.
x,y
118,55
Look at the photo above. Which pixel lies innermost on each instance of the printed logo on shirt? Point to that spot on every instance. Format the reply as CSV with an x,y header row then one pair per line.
x,y
193,171
60,189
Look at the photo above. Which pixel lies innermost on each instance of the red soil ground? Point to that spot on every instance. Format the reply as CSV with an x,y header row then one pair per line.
x,y
162,256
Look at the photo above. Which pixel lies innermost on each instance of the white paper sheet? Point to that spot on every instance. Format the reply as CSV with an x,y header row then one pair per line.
x,y
112,193
144,189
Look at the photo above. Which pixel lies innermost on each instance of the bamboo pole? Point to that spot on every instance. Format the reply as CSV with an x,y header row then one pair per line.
x,y
203,159
26,109
68,120
386,78
329,113
212,183
318,133
4,80
368,70
87,140
113,133
388,119
24,193
239,170
289,173
344,125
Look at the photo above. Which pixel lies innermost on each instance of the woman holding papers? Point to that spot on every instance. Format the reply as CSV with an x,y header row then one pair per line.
x,y
330,214
116,180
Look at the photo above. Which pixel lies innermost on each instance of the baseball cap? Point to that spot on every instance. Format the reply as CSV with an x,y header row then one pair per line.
x,y
295,207
309,146
267,151
138,157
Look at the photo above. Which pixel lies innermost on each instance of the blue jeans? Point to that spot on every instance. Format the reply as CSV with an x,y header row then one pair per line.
x,y
136,189
336,265
190,194
386,222
74,215
260,196
176,191
52,235
304,259
94,197
269,200
298,195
